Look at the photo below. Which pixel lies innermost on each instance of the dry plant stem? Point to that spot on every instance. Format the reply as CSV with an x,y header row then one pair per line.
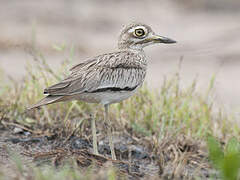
x,y
109,131
94,134
46,114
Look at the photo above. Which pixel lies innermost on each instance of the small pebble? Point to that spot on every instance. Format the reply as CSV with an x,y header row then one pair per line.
x,y
79,143
18,130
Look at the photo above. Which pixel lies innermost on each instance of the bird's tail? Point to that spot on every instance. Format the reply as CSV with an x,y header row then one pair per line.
x,y
47,100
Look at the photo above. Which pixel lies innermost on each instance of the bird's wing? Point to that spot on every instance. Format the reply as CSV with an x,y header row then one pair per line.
x,y
116,71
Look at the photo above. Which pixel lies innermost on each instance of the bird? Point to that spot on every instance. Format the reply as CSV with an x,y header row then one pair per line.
x,y
108,78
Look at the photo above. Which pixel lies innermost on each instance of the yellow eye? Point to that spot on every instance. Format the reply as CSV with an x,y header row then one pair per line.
x,y
139,32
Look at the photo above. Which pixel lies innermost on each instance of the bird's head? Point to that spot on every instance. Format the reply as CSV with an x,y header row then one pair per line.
x,y
137,36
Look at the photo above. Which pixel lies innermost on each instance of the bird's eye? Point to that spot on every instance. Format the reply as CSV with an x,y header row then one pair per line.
x,y
139,32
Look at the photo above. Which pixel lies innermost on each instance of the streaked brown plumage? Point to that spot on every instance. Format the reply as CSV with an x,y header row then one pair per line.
x,y
123,70
111,77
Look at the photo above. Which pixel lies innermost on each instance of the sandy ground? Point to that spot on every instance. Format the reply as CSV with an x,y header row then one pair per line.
x,y
208,38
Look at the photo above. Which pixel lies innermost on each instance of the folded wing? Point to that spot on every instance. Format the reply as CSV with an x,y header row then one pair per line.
x,y
117,71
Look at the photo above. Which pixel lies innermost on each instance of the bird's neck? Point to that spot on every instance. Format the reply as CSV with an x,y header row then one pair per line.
x,y
122,45
138,53
134,49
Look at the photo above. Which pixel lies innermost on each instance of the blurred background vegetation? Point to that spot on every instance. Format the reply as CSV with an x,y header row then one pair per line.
x,y
206,31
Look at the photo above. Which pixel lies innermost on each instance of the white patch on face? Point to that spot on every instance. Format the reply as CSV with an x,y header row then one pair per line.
x,y
130,31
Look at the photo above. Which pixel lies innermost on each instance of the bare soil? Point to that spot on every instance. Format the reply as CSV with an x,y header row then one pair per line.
x,y
179,157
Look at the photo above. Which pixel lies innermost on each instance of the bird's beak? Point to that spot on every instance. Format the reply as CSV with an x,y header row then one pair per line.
x,y
161,39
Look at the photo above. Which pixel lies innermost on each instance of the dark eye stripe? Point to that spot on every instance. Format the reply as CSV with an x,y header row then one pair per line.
x,y
144,41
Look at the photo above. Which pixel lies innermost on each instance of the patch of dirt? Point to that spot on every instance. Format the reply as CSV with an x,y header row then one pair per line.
x,y
173,157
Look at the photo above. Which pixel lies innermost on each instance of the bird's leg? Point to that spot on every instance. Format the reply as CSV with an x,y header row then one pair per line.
x,y
94,135
109,131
